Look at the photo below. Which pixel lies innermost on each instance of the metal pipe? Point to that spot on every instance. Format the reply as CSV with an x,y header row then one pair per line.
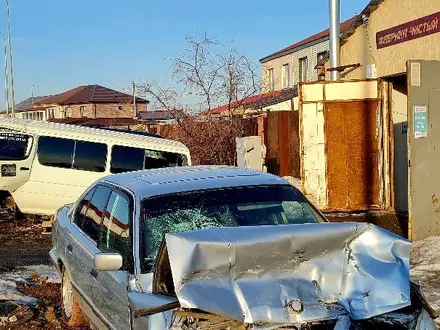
x,y
10,59
135,113
335,30
6,76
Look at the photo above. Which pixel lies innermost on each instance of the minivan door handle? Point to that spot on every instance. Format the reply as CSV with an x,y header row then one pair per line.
x,y
94,273
24,168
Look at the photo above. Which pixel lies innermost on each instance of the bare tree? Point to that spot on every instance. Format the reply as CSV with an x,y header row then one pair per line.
x,y
207,75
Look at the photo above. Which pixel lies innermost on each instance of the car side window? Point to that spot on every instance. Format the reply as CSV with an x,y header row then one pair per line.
x,y
115,229
93,216
81,210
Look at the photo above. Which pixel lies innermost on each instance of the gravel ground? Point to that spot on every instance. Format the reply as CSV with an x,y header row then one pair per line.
x,y
30,288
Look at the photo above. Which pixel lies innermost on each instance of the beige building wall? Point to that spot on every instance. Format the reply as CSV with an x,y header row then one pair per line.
x,y
311,52
390,60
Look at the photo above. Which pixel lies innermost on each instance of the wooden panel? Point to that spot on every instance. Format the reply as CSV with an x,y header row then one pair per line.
x,y
294,144
272,143
352,155
284,144
283,153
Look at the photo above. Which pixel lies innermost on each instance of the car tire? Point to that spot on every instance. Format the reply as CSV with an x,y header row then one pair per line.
x,y
69,302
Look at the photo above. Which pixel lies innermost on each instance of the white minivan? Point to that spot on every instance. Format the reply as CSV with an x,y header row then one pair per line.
x,y
46,165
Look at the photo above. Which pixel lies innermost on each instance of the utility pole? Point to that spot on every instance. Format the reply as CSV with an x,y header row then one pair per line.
x,y
6,76
32,93
10,59
135,113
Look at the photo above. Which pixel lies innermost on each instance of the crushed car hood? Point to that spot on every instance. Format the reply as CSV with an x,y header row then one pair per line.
x,y
291,274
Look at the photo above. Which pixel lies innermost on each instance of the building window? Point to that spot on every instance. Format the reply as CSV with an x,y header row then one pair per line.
x,y
270,79
68,113
83,111
51,113
321,65
286,75
303,69
321,56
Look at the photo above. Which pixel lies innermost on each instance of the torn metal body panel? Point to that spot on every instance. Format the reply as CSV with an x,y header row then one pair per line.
x,y
291,274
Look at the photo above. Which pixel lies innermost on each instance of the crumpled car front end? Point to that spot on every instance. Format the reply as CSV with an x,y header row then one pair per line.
x,y
312,276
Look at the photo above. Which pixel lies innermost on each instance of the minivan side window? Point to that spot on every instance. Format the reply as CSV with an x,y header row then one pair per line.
x,y
55,152
115,229
126,159
67,153
90,156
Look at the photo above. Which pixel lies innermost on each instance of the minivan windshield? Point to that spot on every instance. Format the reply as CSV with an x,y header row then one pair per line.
x,y
228,207
14,146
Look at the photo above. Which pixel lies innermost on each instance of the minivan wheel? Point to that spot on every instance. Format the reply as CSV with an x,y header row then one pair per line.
x,y
71,310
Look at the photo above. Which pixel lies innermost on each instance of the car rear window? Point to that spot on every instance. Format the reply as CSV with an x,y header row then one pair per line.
x,y
14,146
228,207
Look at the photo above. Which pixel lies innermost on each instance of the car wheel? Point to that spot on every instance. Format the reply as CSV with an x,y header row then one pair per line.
x,y
71,310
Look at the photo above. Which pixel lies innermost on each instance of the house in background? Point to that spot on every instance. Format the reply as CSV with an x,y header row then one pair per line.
x,y
90,101
299,62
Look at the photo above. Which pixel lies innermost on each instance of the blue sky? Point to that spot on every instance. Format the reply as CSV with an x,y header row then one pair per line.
x,y
61,44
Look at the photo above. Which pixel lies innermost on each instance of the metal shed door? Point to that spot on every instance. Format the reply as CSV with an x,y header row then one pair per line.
x,y
424,148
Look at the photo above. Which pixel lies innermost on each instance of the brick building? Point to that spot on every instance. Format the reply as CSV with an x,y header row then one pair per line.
x,y
91,101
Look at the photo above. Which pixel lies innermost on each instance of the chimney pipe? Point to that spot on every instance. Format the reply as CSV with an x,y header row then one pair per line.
x,y
335,30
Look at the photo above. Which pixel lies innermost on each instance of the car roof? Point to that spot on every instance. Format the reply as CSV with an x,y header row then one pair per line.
x,y
170,180
92,134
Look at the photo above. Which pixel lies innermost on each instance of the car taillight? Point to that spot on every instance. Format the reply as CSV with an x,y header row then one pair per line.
x,y
9,170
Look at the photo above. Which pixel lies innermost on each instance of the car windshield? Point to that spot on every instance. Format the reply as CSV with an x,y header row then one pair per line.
x,y
229,207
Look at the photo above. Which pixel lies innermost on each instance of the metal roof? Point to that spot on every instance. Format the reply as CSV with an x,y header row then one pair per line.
x,y
308,42
180,179
92,134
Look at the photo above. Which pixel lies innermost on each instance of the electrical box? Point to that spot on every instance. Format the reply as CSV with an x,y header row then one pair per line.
x,y
251,152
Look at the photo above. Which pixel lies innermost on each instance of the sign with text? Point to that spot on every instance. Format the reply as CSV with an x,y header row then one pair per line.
x,y
420,121
408,31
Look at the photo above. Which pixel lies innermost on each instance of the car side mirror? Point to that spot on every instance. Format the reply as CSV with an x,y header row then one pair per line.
x,y
108,261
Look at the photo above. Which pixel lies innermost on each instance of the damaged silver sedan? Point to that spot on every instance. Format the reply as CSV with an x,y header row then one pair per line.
x,y
226,248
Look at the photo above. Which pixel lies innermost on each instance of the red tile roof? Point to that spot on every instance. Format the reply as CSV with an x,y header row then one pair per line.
x,y
90,94
323,34
258,100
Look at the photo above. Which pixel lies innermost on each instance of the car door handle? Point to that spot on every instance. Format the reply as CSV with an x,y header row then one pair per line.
x,y
69,248
94,273
24,168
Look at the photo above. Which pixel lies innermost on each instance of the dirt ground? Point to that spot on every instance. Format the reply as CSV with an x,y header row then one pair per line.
x,y
22,242
24,245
